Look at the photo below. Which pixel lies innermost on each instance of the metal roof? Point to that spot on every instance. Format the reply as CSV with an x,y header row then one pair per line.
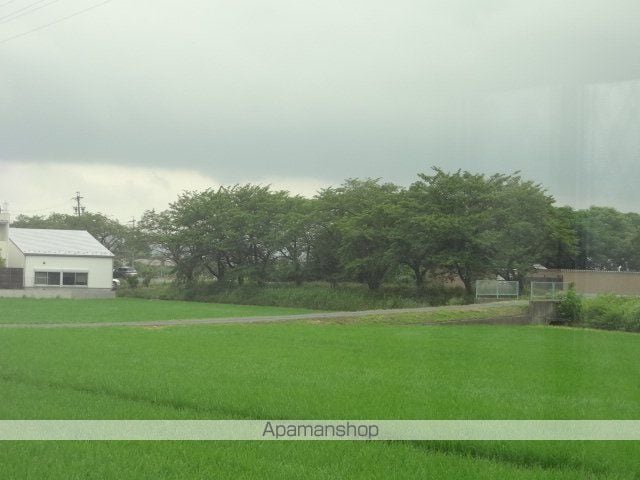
x,y
71,243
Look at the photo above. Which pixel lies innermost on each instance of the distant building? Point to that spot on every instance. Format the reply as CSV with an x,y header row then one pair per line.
x,y
52,263
4,235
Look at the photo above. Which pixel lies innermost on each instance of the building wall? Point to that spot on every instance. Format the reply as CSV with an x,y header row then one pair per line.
x,y
16,257
100,269
4,235
594,281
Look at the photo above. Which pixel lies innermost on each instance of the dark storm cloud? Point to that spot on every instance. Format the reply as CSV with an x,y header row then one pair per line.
x,y
336,89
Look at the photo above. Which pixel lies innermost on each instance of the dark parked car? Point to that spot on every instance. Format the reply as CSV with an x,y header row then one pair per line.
x,y
124,272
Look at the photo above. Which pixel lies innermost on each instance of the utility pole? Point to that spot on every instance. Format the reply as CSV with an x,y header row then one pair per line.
x,y
79,209
132,222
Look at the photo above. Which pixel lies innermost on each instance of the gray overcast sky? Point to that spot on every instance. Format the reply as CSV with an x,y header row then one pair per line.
x,y
133,102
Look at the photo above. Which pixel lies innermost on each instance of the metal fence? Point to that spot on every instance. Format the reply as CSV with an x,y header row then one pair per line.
x,y
497,289
550,290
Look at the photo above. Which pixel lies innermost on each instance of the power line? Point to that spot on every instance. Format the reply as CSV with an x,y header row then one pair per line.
x,y
46,25
79,209
17,13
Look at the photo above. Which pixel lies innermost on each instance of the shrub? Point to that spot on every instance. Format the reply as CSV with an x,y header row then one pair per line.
x,y
612,313
132,282
606,311
457,301
570,306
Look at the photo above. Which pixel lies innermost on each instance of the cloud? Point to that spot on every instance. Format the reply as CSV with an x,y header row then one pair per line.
x,y
321,91
123,192
118,191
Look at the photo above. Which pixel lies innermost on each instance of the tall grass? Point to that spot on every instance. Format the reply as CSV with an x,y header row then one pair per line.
x,y
612,313
609,312
345,297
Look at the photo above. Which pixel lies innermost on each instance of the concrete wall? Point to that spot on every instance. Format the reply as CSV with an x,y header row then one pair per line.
x,y
100,269
58,293
593,281
543,311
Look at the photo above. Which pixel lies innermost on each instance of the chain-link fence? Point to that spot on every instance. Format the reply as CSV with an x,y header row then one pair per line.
x,y
548,290
497,289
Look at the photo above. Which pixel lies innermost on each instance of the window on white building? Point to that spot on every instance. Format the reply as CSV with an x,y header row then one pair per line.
x,y
57,279
75,279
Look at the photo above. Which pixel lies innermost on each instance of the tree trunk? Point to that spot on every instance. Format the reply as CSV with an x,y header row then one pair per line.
x,y
468,282
221,271
419,275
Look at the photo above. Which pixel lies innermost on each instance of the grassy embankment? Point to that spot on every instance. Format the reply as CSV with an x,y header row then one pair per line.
x,y
307,370
29,310
316,295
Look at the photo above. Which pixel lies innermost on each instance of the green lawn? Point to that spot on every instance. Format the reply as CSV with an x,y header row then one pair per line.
x,y
320,371
45,310
31,310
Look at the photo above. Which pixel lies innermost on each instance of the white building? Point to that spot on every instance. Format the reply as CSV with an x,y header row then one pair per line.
x,y
56,263
4,235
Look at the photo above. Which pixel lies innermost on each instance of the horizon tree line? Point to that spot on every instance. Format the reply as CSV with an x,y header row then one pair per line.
x,y
445,224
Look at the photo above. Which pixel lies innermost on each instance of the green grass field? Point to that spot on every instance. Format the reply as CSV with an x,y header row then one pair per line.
x,y
308,370
56,310
31,310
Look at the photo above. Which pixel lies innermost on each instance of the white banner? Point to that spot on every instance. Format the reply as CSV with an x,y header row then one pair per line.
x,y
319,430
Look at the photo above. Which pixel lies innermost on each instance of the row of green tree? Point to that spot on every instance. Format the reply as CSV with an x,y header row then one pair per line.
x,y
444,224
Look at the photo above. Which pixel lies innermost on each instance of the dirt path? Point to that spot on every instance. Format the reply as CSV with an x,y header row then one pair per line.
x,y
288,318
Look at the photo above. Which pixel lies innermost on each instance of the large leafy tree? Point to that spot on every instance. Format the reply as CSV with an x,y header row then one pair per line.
x,y
486,225
527,227
607,239
562,249
325,262
460,222
255,229
170,240
421,233
363,213
232,233
296,232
